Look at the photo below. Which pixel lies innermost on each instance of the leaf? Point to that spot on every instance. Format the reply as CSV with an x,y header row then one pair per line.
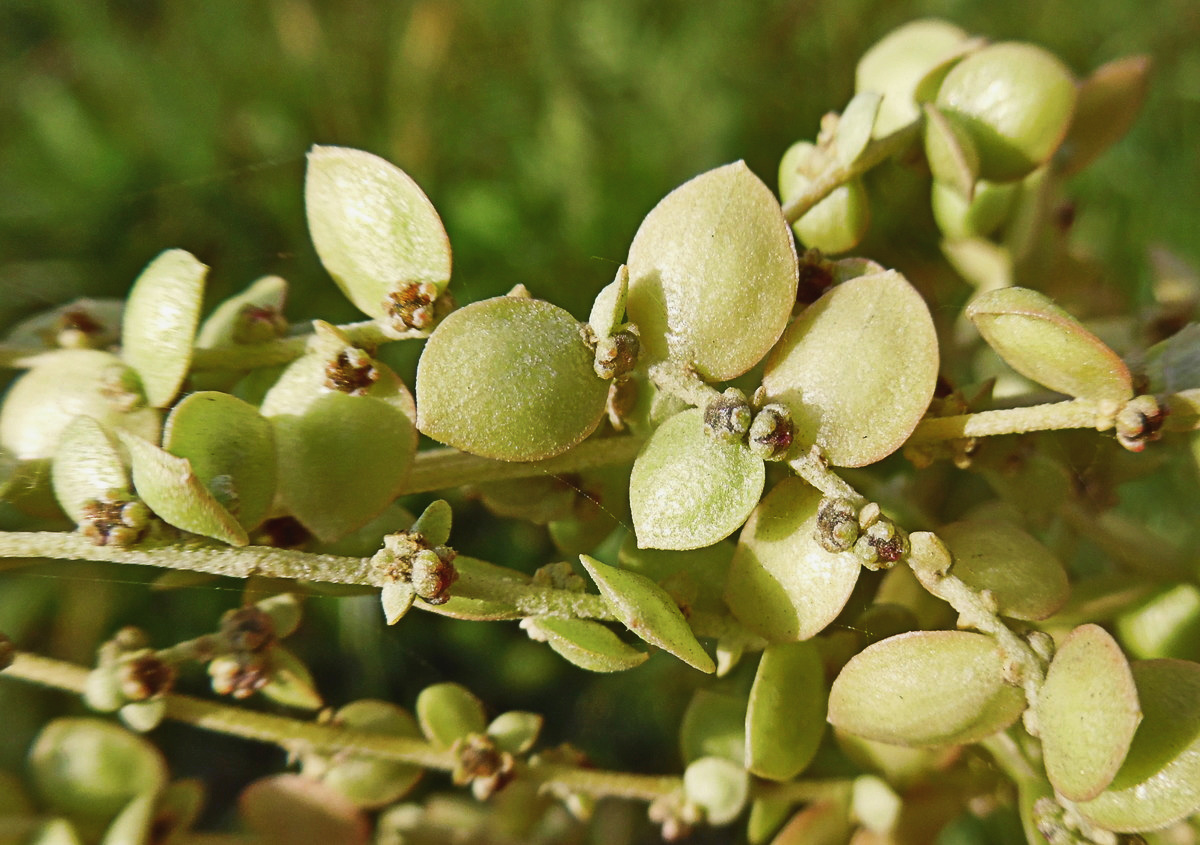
x,y
1023,576
369,781
785,719
447,712
950,153
857,369
821,823
434,523
608,309
86,466
375,231
132,824
714,725
698,574
1159,782
1087,713
688,489
1109,102
587,644
713,274
473,575
396,597
289,682
646,610
227,324
926,688
295,810
143,716
515,731
171,489
854,127
718,785
231,449
160,321
782,584
509,378
1167,624
1046,344
981,263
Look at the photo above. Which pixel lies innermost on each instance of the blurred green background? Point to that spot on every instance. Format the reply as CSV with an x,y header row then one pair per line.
x,y
543,132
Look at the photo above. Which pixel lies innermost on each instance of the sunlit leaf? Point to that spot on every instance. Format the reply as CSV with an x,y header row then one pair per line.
x,y
785,719
587,644
86,466
448,711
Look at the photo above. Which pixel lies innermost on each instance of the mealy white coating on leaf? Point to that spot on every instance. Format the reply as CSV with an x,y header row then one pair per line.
x,y
86,465
857,369
782,584
372,226
713,274
690,490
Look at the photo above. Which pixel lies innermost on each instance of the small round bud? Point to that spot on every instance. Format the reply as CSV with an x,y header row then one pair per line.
x,y
729,416
432,574
352,372
116,519
145,675
617,355
135,514
248,630
482,765
412,306
837,525
1139,422
237,678
881,545
771,432
561,576
130,639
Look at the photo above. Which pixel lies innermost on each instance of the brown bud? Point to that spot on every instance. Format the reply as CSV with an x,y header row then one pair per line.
x,y
248,630
352,372
413,306
482,765
145,675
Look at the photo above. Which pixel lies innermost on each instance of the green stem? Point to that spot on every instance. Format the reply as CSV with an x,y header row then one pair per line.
x,y
877,151
1075,413
683,383
814,469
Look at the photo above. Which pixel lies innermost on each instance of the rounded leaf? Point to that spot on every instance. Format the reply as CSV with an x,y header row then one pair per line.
x,y
718,785
714,725
1165,625
713,274
950,153
690,490
515,731
374,229
161,316
341,458
289,682
1159,782
1087,712
86,466
509,378
90,768
133,823
648,611
231,450
855,125
1046,344
1023,576
857,369
782,583
448,711
785,719
254,315
957,218
296,810
1015,100
837,223
895,65
926,688
587,644
368,781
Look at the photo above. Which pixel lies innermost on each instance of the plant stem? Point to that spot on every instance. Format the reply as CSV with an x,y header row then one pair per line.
x,y
814,469
877,151
1074,413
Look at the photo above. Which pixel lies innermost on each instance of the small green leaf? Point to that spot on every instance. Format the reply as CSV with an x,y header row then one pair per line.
x,y
515,731
587,644
714,725
228,323
926,688
509,378
1109,102
698,574
292,809
231,449
54,832
875,804
690,490
86,466
396,597
434,523
171,489
1023,576
1087,712
857,369
447,712
369,781
1046,344
1167,624
646,610
981,263
1159,782
854,127
713,274
782,584
821,823
132,824
837,223
143,716
950,153
608,309
785,719
374,229
290,683
720,786
959,219
160,322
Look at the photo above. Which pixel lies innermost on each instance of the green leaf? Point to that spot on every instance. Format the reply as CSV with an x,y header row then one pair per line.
x,y
926,688
86,466
170,488
396,597
713,274
782,584
1109,102
292,809
608,309
587,644
509,378
854,127
821,823
1023,576
515,731
1087,713
718,785
434,523
697,574
857,369
959,219
1159,782
981,263
132,825
1046,344
690,490
231,449
785,719
714,725
54,832
227,324
160,322
369,781
1165,625
143,716
290,683
837,223
374,229
646,610
473,576
447,712
950,153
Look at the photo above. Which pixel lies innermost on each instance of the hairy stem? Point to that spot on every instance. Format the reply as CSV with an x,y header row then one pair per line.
x,y
1075,413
